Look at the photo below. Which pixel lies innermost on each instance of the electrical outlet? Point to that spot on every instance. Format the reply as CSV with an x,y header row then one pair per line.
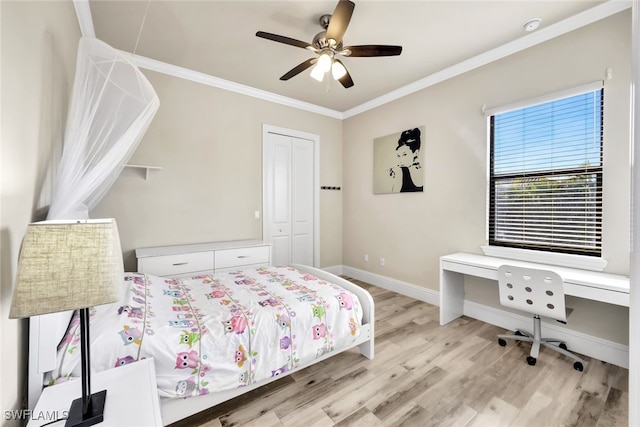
x,y
382,262
366,258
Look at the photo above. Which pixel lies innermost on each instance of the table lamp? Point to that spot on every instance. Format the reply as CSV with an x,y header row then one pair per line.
x,y
68,265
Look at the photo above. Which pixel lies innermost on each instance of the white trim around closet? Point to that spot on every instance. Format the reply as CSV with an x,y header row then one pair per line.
x,y
266,129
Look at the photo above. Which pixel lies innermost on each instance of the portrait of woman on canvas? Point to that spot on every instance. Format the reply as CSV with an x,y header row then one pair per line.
x,y
398,163
407,170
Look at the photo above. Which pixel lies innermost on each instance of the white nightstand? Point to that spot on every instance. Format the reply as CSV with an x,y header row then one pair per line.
x,y
132,397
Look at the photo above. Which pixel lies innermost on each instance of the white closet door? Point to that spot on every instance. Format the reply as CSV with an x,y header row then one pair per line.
x,y
289,198
280,203
302,202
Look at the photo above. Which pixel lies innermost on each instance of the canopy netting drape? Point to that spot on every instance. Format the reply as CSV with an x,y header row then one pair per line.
x,y
111,107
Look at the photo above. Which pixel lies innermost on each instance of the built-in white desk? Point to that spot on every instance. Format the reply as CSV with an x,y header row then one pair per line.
x,y
604,287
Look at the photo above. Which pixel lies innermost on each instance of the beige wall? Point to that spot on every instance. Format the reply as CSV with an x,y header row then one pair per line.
x,y
411,231
39,45
209,143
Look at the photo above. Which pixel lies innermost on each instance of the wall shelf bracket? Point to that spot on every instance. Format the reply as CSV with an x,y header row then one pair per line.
x,y
147,169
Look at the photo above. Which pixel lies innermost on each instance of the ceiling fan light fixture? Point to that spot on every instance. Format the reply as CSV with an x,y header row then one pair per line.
x,y
328,44
317,73
337,70
324,62
322,66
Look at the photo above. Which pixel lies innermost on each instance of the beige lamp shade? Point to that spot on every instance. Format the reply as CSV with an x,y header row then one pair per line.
x,y
65,265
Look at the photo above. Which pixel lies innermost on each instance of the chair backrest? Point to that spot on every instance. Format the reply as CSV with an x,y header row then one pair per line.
x,y
533,290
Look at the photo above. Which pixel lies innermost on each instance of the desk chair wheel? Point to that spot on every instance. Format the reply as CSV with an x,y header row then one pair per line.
x,y
502,342
520,334
531,360
578,366
563,346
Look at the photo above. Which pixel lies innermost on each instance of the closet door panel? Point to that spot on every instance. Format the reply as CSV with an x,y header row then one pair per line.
x,y
280,226
302,201
289,197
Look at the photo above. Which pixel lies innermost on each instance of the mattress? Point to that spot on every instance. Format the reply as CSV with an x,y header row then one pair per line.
x,y
216,332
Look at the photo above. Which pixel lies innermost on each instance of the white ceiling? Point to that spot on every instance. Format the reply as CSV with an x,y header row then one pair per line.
x,y
439,39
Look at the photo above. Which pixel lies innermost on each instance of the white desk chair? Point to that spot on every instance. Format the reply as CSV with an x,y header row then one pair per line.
x,y
540,292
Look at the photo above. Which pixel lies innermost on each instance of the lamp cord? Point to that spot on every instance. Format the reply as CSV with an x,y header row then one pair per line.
x,y
53,422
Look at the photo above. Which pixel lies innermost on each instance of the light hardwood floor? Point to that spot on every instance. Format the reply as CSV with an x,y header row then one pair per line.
x,y
427,375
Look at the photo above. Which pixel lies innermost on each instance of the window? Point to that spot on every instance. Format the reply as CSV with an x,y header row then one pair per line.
x,y
546,175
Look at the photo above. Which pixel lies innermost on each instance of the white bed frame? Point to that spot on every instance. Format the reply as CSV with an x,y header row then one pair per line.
x,y
44,334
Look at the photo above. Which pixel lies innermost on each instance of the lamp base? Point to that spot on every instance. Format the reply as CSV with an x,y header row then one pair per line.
x,y
94,415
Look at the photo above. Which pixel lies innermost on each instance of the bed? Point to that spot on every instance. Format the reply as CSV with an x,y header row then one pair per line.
x,y
214,337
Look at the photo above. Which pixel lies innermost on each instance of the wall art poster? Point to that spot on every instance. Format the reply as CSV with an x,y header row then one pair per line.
x,y
397,162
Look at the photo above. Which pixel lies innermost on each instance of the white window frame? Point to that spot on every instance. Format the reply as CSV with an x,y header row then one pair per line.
x,y
543,257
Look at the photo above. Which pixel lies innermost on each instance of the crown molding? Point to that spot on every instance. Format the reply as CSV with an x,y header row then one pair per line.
x,y
611,7
570,24
198,77
85,21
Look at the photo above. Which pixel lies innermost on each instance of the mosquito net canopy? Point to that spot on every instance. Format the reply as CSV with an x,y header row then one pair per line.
x,y
111,107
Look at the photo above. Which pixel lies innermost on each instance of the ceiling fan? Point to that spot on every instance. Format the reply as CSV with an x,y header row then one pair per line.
x,y
328,45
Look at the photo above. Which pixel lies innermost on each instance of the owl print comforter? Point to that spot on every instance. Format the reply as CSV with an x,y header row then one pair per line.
x,y
213,333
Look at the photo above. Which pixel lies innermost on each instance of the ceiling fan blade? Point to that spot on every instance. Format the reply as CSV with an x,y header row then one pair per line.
x,y
345,80
374,50
340,20
282,39
298,69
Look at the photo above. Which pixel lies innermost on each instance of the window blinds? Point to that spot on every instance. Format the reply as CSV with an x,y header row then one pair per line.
x,y
546,176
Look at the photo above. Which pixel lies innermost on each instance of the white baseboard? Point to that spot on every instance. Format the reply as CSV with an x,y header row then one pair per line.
x,y
336,269
598,348
414,291
588,345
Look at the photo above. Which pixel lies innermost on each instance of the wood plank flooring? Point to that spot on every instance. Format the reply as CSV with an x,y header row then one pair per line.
x,y
427,375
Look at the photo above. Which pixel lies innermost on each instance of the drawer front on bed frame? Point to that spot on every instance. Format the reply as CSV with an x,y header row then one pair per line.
x,y
240,257
203,258
177,265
